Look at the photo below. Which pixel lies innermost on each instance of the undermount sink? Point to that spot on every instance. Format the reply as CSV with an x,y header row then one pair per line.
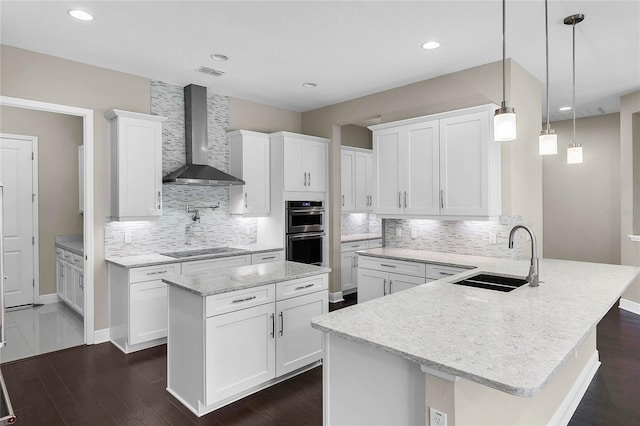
x,y
492,282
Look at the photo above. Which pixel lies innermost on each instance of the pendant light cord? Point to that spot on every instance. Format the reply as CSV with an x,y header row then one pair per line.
x,y
504,53
546,37
574,82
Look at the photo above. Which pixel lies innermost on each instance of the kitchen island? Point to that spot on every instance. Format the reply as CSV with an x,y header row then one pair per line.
x,y
235,331
477,355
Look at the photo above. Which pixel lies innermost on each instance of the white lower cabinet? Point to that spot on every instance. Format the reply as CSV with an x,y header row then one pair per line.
x,y
379,277
147,311
70,279
349,263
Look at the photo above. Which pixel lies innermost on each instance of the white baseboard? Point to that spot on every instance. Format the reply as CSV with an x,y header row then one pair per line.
x,y
630,306
336,297
101,336
47,299
571,401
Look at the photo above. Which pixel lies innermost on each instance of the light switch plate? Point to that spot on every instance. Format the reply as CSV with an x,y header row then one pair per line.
x,y
437,418
398,232
127,237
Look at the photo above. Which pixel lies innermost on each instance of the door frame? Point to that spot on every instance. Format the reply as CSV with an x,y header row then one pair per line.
x,y
88,220
35,225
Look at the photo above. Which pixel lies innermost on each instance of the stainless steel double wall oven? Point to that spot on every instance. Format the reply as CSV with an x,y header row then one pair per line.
x,y
305,232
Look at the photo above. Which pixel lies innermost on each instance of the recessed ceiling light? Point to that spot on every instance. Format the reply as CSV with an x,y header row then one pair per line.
x,y
565,108
309,85
80,14
430,45
219,57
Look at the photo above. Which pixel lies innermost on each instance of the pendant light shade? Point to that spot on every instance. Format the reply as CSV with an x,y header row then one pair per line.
x,y
548,141
574,152
504,120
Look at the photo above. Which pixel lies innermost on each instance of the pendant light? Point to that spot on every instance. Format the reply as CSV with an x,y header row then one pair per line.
x,y
548,141
574,152
504,119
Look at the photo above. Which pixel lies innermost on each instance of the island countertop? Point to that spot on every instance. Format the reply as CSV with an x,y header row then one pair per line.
x,y
514,342
237,278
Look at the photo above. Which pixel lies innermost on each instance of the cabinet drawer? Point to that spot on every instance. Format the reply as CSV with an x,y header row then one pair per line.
x,y
240,299
212,264
353,246
391,265
293,288
148,273
59,253
68,256
78,261
375,243
273,256
438,272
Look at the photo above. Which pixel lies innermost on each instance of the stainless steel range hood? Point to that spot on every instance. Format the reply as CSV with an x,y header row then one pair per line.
x,y
197,171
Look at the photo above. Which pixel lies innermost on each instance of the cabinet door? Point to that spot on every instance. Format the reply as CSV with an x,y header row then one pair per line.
x,y
399,282
348,272
316,166
364,183
147,311
294,167
371,284
60,278
386,144
420,159
298,344
239,351
347,180
464,162
139,168
249,160
68,283
78,296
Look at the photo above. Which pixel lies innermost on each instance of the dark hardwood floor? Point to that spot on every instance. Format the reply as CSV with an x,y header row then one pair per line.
x,y
98,385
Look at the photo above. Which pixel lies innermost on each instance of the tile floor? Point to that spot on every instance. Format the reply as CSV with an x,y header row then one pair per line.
x,y
37,330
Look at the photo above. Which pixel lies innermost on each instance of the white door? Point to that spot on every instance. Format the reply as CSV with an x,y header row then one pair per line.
x,y
371,284
16,174
420,156
399,282
386,144
347,180
298,344
316,166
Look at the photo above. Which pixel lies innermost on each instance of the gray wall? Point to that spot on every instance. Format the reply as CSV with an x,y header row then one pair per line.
x,y
357,136
582,201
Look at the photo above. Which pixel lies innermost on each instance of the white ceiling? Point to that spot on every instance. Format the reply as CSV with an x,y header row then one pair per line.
x,y
350,49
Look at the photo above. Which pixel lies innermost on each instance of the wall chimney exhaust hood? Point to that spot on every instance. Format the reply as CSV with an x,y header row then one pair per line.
x,y
197,171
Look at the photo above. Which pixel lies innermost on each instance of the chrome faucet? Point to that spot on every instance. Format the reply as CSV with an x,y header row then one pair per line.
x,y
533,276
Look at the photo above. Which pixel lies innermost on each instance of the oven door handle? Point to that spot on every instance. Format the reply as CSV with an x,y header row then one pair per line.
x,y
306,212
306,235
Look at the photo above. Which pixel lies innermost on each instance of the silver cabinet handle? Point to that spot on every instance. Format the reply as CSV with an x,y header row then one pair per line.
x,y
273,326
302,287
445,273
309,178
370,200
157,272
305,178
400,199
441,199
390,283
405,199
343,201
388,266
244,300
281,324
384,287
268,257
246,201
159,200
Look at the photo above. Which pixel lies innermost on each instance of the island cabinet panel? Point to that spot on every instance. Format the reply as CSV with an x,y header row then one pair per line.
x,y
240,299
372,284
148,311
298,344
299,287
399,282
240,351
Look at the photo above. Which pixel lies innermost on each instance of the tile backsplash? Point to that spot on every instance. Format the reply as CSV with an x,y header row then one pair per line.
x,y
175,230
360,223
460,237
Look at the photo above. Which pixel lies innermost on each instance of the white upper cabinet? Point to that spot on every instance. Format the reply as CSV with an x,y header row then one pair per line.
x,y
357,179
348,179
439,165
249,161
136,165
303,159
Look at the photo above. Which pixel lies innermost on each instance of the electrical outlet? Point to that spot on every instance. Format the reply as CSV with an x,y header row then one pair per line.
x,y
414,233
437,418
493,238
247,230
127,237
398,232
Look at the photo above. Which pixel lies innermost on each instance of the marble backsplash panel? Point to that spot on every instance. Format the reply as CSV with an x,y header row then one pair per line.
x,y
360,223
460,237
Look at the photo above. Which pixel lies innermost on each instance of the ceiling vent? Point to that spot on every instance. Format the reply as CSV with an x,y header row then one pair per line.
x,y
211,71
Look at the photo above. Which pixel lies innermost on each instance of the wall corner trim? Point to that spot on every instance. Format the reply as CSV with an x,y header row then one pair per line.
x,y
628,305
335,297
101,336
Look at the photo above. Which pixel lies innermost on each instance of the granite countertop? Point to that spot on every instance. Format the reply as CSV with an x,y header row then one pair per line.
x,y
514,342
360,237
232,279
160,259
72,243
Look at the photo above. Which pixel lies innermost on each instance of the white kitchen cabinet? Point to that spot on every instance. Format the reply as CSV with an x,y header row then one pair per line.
x,y
70,279
348,179
439,166
303,160
249,160
270,256
399,282
138,305
357,179
348,265
136,165
373,284
379,277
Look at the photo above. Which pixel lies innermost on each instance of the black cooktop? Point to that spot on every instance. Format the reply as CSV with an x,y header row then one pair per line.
x,y
206,252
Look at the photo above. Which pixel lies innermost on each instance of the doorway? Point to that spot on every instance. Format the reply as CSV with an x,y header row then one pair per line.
x,y
46,303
